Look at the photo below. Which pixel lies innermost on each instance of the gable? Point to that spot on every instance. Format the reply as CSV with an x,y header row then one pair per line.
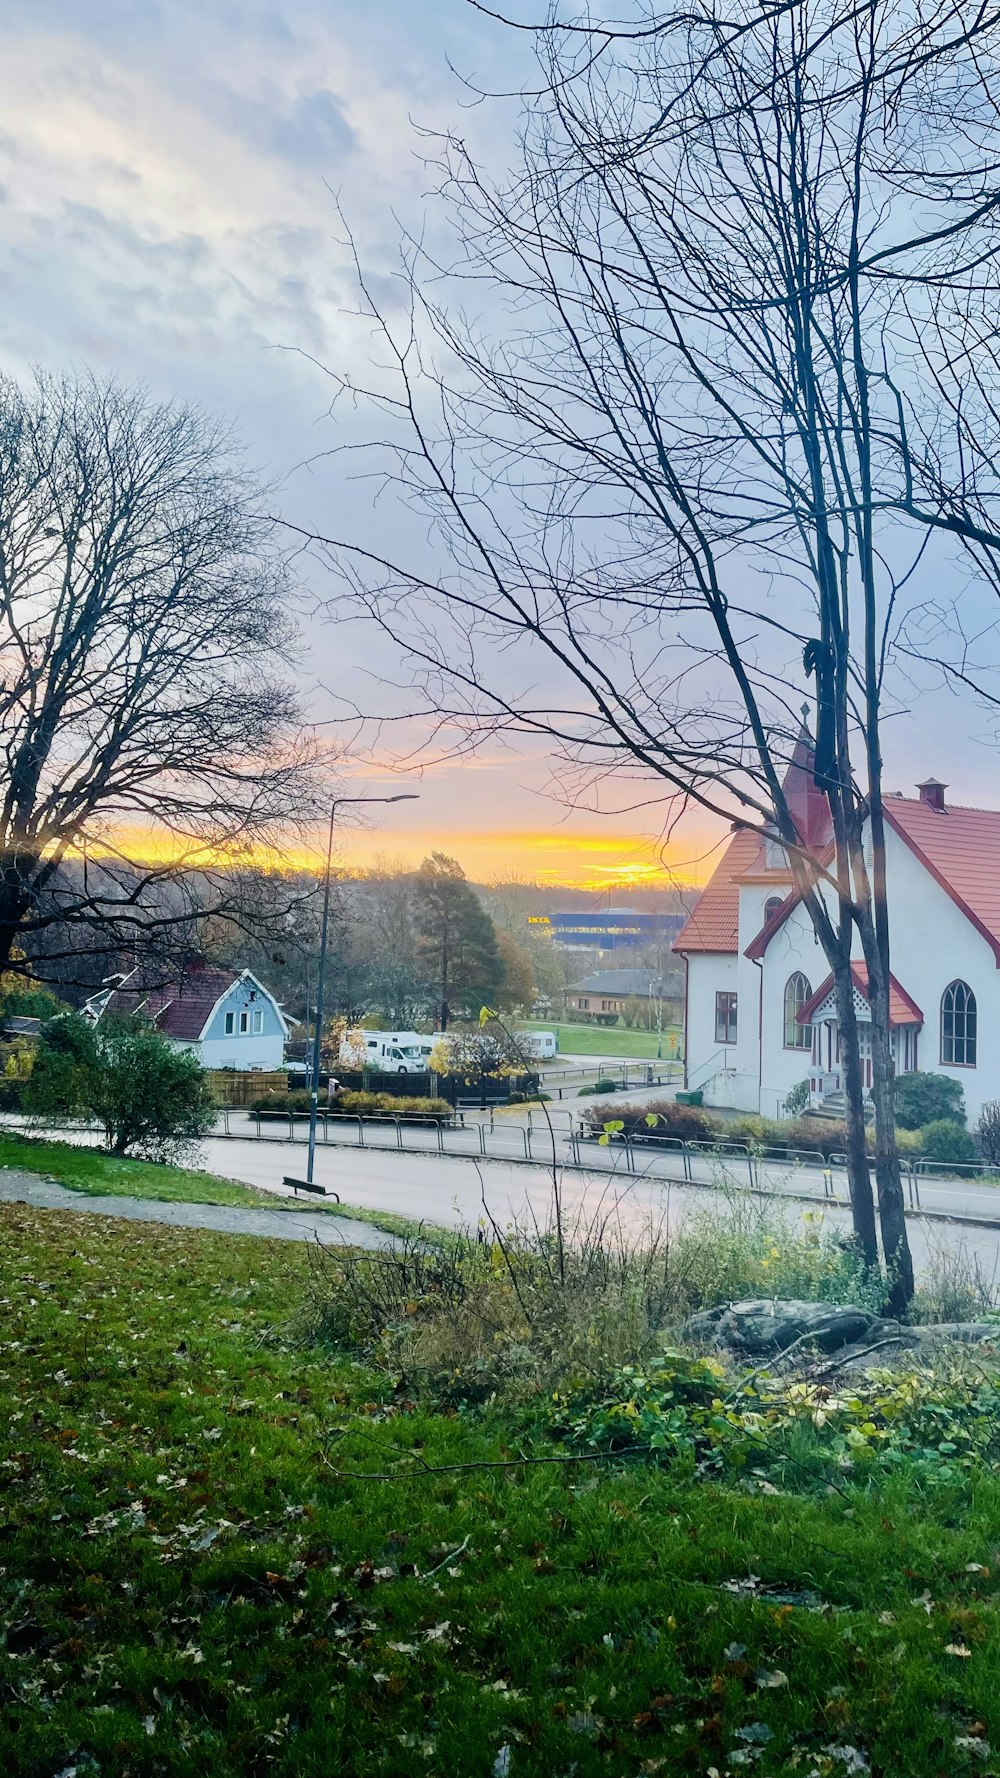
x,y
245,994
960,849
715,923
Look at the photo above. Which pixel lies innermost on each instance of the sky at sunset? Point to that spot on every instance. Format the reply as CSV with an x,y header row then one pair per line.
x,y
167,174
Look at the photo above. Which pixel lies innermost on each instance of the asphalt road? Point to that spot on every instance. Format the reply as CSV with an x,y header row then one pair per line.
x,y
450,1187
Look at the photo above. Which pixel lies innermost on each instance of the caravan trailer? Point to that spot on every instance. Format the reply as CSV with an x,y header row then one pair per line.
x,y
392,1052
541,1046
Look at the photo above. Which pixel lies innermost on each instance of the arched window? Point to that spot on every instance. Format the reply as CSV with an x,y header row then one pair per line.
x,y
797,992
958,1026
771,906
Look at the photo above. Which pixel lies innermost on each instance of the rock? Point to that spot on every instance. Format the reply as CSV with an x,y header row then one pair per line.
x,y
759,1328
762,1328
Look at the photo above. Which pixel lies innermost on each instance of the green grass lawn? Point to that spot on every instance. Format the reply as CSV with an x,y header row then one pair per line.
x,y
92,1171
600,1040
188,1588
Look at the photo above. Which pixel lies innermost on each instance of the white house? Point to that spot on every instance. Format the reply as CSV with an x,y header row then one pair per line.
x,y
227,1017
759,1010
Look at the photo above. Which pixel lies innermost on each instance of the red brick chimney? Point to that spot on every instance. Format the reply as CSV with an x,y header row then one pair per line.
x,y
932,792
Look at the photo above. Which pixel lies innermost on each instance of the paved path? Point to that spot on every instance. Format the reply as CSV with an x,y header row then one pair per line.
x,y
228,1219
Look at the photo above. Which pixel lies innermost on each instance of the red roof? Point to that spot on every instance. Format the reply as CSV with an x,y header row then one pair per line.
x,y
961,850
715,923
179,1009
902,1010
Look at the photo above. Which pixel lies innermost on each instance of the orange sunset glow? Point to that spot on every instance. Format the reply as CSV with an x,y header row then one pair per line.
x,y
561,859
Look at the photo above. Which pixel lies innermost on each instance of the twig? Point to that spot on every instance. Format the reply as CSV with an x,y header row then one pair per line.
x,y
850,1353
431,1572
393,1475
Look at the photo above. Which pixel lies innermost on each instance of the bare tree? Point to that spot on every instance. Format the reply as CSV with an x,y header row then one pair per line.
x,y
689,470
144,625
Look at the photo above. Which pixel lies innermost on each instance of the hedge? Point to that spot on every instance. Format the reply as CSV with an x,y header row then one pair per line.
x,y
281,1105
940,1140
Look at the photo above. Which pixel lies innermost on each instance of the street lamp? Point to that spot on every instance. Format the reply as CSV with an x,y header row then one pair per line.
x,y
403,796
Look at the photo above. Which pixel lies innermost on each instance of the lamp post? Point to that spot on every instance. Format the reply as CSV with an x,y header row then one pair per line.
x,y
404,796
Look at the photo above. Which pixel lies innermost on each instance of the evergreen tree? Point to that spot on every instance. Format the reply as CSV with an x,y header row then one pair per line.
x,y
457,948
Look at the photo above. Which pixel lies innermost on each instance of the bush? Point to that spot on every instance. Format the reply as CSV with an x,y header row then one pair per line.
x,y
151,1099
687,1122
928,1098
279,1104
797,1099
947,1141
475,1316
428,1111
988,1132
691,1124
354,1104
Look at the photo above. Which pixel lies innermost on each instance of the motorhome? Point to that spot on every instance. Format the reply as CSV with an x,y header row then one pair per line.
x,y
392,1052
541,1046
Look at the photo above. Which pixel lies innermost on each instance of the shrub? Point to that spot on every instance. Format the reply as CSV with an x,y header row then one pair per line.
x,y
279,1104
947,1141
928,1098
797,1100
685,1121
988,1132
150,1098
430,1111
474,1316
605,1086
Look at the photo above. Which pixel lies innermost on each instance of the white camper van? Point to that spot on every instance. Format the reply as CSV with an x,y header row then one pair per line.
x,y
393,1052
541,1046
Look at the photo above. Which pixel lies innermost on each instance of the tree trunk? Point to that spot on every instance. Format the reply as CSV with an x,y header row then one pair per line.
x,y
13,906
891,1202
858,1175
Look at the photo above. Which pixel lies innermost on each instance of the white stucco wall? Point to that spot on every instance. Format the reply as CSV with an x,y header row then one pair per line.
x,y
931,944
718,1068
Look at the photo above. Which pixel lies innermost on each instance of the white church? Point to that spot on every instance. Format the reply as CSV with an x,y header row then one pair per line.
x,y
759,1005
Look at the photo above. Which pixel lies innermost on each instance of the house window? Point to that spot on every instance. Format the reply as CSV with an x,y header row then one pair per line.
x,y
958,1026
771,906
797,992
244,1022
725,1018
230,1023
258,1023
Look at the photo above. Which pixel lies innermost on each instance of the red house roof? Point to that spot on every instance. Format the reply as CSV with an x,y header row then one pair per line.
x,y
715,923
961,850
902,1009
179,1009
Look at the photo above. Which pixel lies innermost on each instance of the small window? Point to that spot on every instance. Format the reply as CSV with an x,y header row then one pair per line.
x,y
959,1034
797,992
258,1021
244,1021
230,1023
725,1018
771,906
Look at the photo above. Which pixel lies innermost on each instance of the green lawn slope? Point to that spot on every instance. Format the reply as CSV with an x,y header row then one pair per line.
x,y
202,1575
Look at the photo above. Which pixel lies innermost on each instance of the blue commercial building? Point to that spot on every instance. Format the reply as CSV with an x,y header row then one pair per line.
x,y
616,929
